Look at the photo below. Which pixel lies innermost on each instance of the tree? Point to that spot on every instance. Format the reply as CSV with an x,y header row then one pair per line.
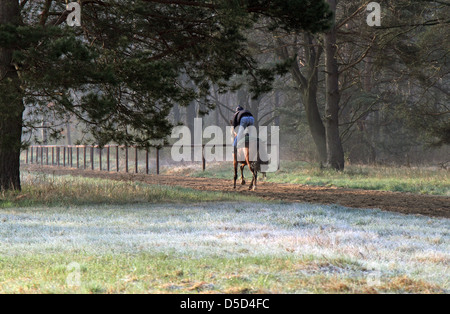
x,y
413,52
307,80
11,104
324,130
335,152
378,80
120,73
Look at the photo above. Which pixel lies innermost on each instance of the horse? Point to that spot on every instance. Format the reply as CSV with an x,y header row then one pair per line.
x,y
243,155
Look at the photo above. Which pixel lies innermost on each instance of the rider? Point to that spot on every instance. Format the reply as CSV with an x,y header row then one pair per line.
x,y
242,118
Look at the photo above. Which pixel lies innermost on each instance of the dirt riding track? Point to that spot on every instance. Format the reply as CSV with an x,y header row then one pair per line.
x,y
405,203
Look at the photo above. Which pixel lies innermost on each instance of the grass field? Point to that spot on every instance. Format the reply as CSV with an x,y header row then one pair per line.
x,y
58,237
48,190
401,179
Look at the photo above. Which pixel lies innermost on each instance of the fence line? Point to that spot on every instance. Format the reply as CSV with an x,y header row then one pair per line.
x,y
35,155
90,155
40,154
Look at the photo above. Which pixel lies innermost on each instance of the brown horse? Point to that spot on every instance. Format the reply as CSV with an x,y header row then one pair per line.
x,y
243,155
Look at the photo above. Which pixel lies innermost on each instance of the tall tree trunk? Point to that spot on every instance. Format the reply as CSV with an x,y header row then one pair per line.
x,y
191,113
335,152
315,123
308,85
276,114
44,133
11,106
254,109
311,86
176,114
69,133
368,85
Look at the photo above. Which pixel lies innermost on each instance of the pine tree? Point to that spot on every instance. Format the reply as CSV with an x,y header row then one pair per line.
x,y
121,72
11,104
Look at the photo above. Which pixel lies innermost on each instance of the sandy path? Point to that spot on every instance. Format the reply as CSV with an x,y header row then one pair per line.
x,y
405,203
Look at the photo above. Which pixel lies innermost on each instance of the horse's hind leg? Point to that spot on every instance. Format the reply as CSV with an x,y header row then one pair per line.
x,y
247,161
255,177
242,174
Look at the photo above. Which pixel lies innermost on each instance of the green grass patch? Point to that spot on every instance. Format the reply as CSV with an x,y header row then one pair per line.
x,y
49,190
163,273
402,179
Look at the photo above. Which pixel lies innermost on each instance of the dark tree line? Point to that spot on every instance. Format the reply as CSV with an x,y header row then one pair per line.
x,y
390,82
136,67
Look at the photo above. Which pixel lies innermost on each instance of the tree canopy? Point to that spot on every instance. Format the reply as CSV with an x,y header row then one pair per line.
x,y
123,70
126,66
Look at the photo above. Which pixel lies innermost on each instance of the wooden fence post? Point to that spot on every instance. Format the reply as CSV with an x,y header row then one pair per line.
x,y
157,161
85,156
117,158
203,158
92,158
147,166
136,159
126,159
100,157
107,158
